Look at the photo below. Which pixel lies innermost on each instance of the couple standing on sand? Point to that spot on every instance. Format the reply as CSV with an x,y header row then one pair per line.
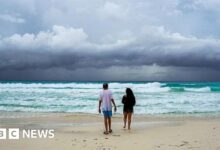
x,y
106,100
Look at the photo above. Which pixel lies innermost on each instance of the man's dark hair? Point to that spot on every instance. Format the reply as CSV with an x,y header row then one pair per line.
x,y
105,85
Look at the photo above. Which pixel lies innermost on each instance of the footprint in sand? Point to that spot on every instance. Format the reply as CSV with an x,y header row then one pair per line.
x,y
116,135
183,144
193,147
159,146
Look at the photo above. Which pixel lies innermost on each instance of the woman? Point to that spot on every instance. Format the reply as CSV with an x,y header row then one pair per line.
x,y
129,101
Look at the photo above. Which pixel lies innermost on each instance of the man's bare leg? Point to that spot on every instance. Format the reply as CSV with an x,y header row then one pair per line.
x,y
106,124
109,124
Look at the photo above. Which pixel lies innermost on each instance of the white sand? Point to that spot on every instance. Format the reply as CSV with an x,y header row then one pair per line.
x,y
77,131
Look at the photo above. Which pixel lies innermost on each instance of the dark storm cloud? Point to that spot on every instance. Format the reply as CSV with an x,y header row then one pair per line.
x,y
154,45
73,38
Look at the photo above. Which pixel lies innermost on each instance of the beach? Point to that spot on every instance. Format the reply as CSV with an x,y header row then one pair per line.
x,y
74,73
85,131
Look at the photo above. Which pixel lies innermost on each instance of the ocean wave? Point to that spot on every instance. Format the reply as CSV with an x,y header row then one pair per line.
x,y
70,85
156,87
177,89
202,89
75,87
152,97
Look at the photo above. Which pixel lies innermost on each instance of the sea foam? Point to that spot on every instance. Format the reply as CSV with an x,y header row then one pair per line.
x,y
83,97
203,89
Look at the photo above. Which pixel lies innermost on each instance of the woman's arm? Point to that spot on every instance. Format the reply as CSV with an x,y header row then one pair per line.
x,y
134,101
123,100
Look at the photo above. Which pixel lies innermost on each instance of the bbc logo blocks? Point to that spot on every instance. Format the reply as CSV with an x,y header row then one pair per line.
x,y
2,133
13,133
16,133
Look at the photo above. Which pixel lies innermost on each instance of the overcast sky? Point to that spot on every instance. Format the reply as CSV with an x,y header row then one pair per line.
x,y
84,40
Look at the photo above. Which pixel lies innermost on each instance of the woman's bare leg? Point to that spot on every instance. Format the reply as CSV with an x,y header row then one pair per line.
x,y
129,120
125,119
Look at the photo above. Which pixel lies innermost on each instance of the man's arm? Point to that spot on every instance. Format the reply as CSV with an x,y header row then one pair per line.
x,y
99,109
113,102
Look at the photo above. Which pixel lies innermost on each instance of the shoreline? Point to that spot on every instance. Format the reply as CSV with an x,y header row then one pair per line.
x,y
202,114
87,118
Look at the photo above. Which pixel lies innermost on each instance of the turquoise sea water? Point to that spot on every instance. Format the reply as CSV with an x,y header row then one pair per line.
x,y
152,97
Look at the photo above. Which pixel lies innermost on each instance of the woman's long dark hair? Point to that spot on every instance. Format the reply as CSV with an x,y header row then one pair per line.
x,y
130,96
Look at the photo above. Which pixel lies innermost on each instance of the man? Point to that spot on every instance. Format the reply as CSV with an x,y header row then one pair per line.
x,y
105,101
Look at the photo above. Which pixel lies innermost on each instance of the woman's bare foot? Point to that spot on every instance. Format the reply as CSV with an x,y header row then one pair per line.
x,y
110,131
105,132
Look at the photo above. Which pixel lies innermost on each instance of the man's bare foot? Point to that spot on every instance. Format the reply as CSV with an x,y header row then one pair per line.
x,y
124,127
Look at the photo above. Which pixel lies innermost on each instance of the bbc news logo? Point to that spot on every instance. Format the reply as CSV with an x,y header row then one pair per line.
x,y
16,133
